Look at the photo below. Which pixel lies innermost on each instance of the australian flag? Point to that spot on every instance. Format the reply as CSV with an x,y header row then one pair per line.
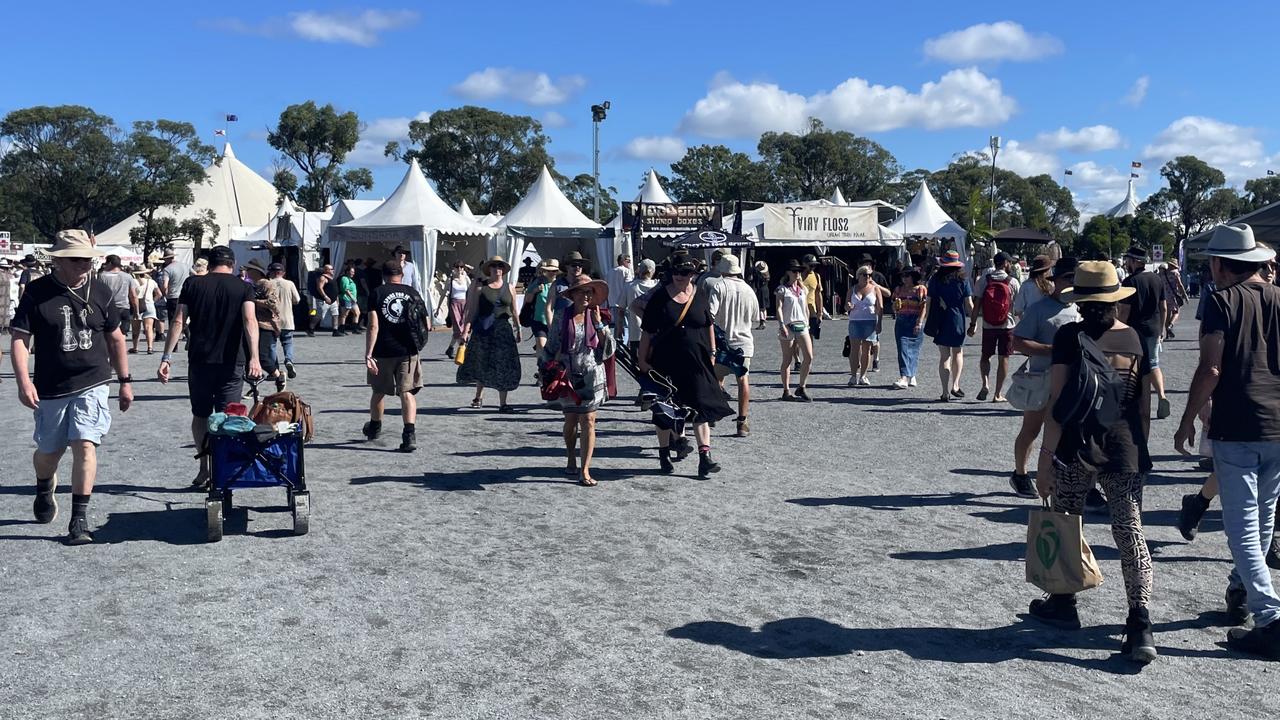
x,y
232,118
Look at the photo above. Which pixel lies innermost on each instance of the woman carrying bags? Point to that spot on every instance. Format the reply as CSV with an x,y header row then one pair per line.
x,y
456,296
580,343
1075,458
491,336
678,341
952,302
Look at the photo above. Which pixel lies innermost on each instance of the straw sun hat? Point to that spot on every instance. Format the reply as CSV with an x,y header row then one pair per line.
x,y
1096,281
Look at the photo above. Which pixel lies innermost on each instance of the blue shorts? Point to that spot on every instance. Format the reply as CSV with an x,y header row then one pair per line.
x,y
1153,349
862,330
82,416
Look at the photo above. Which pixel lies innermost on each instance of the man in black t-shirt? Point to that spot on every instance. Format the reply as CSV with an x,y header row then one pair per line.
x,y
1240,370
391,352
223,340
1147,311
68,319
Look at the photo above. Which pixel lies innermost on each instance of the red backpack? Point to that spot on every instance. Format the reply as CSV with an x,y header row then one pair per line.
x,y
997,301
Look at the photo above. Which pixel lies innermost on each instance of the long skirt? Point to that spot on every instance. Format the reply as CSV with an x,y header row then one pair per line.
x,y
456,308
493,359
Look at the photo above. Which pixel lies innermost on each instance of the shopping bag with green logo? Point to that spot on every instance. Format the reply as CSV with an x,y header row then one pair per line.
x,y
1058,558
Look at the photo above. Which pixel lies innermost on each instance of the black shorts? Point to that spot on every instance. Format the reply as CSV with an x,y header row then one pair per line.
x,y
213,386
171,309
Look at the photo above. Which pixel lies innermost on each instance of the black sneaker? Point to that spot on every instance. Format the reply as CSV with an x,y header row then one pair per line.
x,y
1192,512
78,532
311,333
1139,644
372,429
339,333
1263,641
787,397
408,440
875,366
1273,555
1237,605
1057,610
706,465
288,368
45,506
1021,484
1205,464
664,460
803,395
1093,500
683,448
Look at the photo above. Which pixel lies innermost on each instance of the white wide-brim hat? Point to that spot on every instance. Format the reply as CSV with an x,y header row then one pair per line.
x,y
1236,243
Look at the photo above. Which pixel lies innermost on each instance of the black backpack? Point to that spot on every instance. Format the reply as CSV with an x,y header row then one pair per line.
x,y
1091,401
416,316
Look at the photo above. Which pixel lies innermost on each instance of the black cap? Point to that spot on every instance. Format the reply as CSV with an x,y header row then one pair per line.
x,y
1064,266
810,259
1137,252
275,267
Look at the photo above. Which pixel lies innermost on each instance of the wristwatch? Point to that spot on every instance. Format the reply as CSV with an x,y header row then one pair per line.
x,y
125,379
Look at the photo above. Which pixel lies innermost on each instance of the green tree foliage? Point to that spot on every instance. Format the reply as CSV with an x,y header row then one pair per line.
x,y
1039,203
900,191
1260,192
1190,198
581,191
165,231
812,165
66,167
486,157
1110,237
168,158
711,173
317,140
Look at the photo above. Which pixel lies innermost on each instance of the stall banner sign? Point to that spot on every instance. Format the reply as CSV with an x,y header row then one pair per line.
x,y
784,221
670,217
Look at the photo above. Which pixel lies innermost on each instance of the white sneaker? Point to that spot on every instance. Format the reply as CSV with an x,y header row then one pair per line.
x,y
900,384
913,382
866,381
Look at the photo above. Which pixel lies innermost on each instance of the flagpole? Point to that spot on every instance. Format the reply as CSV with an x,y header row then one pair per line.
x,y
235,195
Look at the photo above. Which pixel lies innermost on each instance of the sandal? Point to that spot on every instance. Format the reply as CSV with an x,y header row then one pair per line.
x,y
587,481
945,398
477,403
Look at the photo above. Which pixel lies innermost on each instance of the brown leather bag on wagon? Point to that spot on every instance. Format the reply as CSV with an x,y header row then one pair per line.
x,y
284,407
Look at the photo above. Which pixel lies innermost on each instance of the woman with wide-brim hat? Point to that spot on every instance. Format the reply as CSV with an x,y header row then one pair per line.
x,y
677,341
1039,287
792,310
1116,459
580,341
539,294
492,335
950,302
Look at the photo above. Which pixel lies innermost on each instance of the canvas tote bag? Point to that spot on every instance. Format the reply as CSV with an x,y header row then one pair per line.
x,y
1059,561
1028,390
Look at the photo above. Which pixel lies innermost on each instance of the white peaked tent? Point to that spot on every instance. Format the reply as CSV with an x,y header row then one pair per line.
x,y
348,210
290,228
548,219
241,200
837,197
1127,207
923,217
415,217
465,211
614,241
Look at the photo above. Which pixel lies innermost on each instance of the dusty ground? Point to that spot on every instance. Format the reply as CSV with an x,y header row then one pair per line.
x,y
858,557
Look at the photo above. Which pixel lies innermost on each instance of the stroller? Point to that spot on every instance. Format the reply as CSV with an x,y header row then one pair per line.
x,y
258,457
658,395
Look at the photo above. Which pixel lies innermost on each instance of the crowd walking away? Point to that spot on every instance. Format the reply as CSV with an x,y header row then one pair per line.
x,y
1087,391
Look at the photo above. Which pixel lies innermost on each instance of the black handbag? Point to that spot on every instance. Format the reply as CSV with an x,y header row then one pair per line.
x,y
526,315
932,321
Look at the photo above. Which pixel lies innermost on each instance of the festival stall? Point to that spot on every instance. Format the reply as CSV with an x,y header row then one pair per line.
x,y
292,238
415,218
659,218
546,219
924,220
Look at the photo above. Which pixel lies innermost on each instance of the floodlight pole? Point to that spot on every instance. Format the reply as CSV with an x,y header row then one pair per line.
x,y
598,114
995,150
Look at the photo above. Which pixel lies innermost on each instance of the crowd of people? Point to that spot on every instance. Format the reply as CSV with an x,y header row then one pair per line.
x,y
684,329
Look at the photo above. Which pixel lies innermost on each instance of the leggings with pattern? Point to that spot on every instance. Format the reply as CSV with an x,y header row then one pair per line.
x,y
1124,498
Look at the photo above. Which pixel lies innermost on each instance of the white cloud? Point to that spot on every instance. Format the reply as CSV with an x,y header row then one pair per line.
x,y
534,88
1098,188
362,28
375,135
553,119
961,98
1020,159
660,148
1087,139
1233,149
991,42
1138,92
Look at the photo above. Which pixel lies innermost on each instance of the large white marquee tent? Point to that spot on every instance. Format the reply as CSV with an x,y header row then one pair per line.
x,y
550,221
924,217
241,201
1127,207
415,217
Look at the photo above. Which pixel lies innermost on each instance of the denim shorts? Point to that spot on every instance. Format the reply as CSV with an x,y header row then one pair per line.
x,y
862,330
1153,348
82,416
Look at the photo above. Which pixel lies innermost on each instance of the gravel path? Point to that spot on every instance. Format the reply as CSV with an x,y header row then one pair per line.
x,y
857,557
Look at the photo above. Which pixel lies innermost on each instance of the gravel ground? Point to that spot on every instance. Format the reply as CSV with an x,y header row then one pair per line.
x,y
857,557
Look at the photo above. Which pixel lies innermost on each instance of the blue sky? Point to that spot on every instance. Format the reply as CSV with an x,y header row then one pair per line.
x,y
1084,85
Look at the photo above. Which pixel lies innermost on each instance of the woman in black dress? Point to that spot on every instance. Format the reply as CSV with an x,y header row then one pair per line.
x,y
678,342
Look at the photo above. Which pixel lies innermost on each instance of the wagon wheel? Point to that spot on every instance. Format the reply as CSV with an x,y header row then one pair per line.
x,y
301,506
213,513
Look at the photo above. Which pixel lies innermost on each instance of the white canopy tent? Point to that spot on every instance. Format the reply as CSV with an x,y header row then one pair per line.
x,y
924,217
465,211
614,241
1127,207
290,227
348,210
415,217
837,197
549,220
241,200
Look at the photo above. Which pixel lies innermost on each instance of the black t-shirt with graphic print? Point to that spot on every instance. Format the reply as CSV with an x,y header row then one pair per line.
x,y
69,329
391,303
